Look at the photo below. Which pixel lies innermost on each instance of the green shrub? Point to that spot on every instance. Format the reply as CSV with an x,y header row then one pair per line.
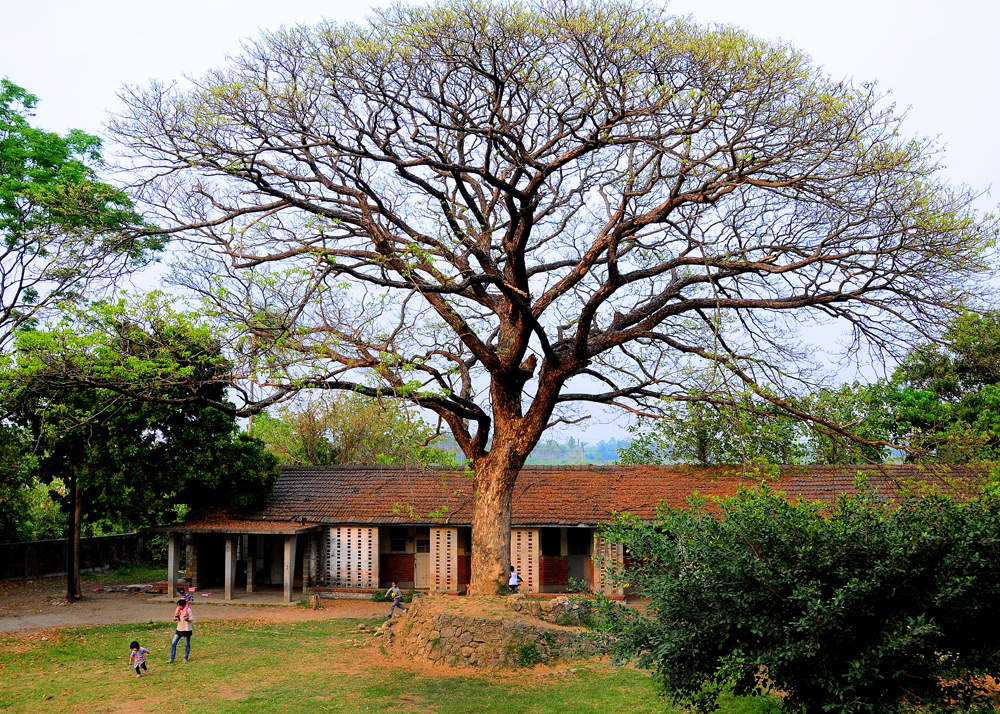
x,y
527,654
588,615
158,547
866,606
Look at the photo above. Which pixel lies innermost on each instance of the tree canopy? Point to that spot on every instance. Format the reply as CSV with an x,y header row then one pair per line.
x,y
349,429
496,211
947,397
133,459
63,231
753,431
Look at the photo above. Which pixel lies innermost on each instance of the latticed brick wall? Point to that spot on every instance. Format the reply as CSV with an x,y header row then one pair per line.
x,y
524,557
606,553
444,559
352,557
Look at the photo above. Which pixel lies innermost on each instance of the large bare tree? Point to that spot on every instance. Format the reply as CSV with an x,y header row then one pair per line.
x,y
496,210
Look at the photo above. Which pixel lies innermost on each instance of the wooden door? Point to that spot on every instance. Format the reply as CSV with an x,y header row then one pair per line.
x,y
422,570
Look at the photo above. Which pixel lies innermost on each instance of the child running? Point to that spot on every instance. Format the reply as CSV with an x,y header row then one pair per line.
x,y
139,655
397,598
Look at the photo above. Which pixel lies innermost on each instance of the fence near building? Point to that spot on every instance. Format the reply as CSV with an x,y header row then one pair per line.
x,y
41,558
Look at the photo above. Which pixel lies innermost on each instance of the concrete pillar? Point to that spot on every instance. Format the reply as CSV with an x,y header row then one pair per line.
x,y
192,564
173,562
290,541
230,575
251,558
190,560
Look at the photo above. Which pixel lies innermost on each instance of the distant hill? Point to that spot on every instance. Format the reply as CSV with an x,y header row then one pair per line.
x,y
554,453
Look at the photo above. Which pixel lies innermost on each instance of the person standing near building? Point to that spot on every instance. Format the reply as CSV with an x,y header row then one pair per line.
x,y
184,618
514,581
397,599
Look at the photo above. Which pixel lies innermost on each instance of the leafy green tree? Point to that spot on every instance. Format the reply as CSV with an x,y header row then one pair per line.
x,y
15,482
947,398
63,232
853,424
968,360
130,459
697,432
349,429
863,607
865,419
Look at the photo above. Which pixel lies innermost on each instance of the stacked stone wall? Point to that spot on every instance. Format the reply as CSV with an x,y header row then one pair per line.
x,y
559,611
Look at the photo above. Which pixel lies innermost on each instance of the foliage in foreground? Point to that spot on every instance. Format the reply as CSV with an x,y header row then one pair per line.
x,y
867,607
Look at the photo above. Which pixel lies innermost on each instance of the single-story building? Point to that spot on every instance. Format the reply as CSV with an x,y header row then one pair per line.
x,y
357,528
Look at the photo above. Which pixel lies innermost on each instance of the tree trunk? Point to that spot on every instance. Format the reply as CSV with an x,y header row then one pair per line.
x,y
73,590
491,518
70,530
77,529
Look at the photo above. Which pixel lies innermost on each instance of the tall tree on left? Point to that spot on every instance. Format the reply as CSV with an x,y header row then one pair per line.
x,y
126,458
63,232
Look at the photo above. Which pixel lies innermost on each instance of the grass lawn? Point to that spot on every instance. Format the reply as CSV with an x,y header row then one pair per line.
x,y
263,667
124,575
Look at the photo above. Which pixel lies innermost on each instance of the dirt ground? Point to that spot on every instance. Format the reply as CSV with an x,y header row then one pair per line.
x,y
28,605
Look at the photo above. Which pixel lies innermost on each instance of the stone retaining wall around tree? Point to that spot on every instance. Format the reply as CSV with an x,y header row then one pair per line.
x,y
453,638
559,611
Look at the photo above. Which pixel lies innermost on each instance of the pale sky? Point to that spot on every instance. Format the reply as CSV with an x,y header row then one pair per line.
x,y
939,59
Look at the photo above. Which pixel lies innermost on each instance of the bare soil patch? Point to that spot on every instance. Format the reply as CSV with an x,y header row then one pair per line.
x,y
30,606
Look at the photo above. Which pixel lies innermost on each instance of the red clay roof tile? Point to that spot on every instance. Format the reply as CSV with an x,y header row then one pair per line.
x,y
545,495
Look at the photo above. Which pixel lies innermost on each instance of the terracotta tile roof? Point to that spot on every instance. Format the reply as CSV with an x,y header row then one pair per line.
x,y
222,522
544,495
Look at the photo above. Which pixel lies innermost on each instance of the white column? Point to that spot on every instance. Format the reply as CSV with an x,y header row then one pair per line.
x,y
289,565
230,566
524,546
444,559
173,562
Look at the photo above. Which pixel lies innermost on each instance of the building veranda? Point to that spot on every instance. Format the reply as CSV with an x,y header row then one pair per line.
x,y
356,529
